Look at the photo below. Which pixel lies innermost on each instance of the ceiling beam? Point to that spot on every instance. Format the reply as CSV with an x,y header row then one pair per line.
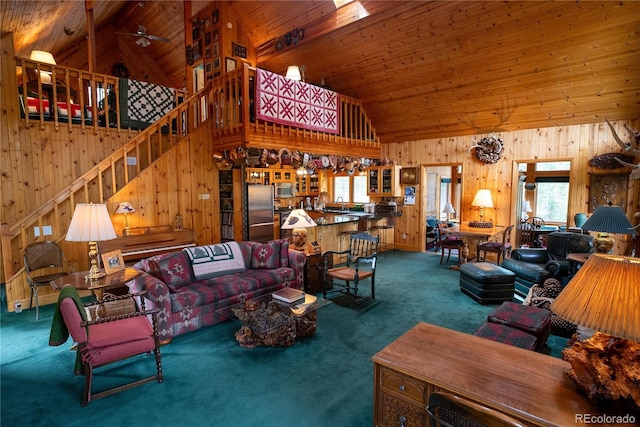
x,y
91,35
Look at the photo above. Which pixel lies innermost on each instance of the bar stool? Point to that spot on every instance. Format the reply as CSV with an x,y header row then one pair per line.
x,y
384,246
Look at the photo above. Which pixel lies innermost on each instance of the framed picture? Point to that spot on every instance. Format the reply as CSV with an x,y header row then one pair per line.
x,y
605,188
215,49
214,16
207,38
216,63
207,53
230,64
195,33
112,261
208,67
197,50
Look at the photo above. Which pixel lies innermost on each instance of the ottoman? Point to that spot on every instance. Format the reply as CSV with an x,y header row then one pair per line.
x,y
486,283
507,335
532,320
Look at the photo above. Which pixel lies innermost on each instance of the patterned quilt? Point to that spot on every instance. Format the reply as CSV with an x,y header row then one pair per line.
x,y
216,260
285,101
142,103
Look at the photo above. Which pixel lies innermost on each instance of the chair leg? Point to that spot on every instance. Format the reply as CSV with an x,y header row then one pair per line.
x,y
34,293
88,376
442,255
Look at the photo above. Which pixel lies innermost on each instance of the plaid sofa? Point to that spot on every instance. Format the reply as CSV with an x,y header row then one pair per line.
x,y
188,302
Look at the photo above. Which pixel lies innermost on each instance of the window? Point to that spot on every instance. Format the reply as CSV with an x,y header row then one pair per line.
x,y
552,196
351,189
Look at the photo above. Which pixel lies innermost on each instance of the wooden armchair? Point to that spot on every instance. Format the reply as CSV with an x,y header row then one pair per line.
x,y
448,243
360,264
104,339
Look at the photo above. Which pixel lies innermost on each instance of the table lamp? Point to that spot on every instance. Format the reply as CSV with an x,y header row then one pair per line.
x,y
91,223
45,58
125,208
448,209
298,221
608,219
526,209
482,200
604,295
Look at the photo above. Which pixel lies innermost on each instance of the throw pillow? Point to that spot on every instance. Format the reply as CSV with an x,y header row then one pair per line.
x,y
173,268
284,252
266,255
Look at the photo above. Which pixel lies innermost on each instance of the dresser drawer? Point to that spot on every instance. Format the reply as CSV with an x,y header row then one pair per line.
x,y
396,412
403,386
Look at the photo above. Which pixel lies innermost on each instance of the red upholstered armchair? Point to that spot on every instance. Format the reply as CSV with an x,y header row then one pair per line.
x,y
106,338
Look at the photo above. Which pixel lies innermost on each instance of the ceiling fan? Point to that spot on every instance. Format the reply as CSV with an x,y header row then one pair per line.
x,y
144,39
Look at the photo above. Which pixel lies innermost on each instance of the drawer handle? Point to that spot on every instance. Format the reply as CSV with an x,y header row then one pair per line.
x,y
401,387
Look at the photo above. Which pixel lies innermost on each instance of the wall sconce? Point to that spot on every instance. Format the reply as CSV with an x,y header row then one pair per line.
x,y
91,223
482,200
125,208
45,58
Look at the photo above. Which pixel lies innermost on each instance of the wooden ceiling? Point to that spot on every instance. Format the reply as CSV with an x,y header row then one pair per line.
x,y
423,69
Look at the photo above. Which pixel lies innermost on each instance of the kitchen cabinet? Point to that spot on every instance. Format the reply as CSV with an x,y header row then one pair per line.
x,y
283,175
384,181
230,205
258,176
308,185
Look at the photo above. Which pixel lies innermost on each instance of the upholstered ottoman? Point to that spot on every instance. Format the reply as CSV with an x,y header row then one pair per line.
x,y
532,320
507,335
486,283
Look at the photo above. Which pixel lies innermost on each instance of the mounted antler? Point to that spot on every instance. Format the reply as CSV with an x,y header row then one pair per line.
x,y
628,148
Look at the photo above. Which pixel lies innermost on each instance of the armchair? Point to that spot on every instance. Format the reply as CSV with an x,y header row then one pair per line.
x,y
104,340
535,265
363,250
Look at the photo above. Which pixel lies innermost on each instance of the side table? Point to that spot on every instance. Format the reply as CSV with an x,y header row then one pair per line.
x,y
314,272
576,260
110,281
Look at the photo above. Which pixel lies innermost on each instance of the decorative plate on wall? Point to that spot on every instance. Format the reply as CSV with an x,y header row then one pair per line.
x,y
409,176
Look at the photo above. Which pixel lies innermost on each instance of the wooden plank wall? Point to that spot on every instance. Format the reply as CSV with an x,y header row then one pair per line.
x,y
577,144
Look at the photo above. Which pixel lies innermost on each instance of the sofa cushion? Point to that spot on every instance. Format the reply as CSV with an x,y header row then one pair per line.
x,y
173,268
272,277
266,255
216,260
284,252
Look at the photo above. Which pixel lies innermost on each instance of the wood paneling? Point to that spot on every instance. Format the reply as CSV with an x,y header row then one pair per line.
x,y
423,69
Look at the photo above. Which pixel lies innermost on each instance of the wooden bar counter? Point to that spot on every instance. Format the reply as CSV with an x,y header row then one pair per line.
x,y
529,386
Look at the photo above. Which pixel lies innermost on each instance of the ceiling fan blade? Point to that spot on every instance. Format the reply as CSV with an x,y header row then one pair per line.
x,y
127,34
158,38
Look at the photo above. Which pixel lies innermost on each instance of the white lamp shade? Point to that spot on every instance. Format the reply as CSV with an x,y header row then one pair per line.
x,y
293,73
42,56
526,206
483,199
90,223
125,207
298,218
448,208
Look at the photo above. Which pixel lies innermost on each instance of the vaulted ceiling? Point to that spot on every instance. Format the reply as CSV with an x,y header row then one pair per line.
x,y
424,69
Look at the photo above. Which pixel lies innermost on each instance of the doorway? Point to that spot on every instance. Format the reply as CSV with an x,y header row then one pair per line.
x,y
442,186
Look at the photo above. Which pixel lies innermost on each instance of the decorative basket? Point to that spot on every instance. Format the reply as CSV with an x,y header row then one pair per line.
x,y
117,307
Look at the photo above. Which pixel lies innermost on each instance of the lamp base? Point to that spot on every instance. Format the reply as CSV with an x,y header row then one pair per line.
x,y
603,243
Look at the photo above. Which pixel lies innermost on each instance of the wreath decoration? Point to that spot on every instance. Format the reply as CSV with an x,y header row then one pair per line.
x,y
489,149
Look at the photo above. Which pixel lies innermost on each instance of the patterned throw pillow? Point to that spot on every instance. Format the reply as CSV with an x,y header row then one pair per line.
x,y
266,255
174,269
284,252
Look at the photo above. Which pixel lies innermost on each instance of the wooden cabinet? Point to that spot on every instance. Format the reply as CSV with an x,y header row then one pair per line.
x,y
384,181
230,205
430,358
283,175
313,273
258,176
308,185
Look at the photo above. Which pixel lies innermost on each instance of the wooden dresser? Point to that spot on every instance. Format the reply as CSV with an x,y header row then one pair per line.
x,y
529,386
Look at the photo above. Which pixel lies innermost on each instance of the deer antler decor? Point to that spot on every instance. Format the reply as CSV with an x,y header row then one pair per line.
x,y
628,148
489,149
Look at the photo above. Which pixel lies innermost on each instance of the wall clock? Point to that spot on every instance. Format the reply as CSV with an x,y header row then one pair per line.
x,y
409,176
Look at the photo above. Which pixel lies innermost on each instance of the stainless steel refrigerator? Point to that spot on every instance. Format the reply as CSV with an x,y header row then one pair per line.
x,y
260,212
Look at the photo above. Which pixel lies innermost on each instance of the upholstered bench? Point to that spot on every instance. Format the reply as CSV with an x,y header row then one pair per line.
x,y
507,335
532,320
486,283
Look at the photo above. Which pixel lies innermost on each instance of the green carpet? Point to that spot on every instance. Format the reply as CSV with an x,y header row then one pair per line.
x,y
325,380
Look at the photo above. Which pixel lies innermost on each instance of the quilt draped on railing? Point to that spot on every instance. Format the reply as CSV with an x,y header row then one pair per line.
x,y
143,103
285,101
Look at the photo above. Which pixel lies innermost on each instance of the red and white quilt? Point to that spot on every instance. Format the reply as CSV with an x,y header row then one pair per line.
x,y
285,101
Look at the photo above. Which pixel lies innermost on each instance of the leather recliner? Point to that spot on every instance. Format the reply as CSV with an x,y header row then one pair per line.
x,y
535,265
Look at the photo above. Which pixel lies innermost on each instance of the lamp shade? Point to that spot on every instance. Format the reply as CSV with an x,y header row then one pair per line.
x,y
125,208
90,223
609,219
448,208
526,206
42,56
293,73
604,295
298,218
483,199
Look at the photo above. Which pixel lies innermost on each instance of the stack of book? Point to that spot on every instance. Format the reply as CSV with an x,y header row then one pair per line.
x,y
288,295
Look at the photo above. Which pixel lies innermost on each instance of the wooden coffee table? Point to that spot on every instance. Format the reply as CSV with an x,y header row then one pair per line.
x,y
98,286
270,322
